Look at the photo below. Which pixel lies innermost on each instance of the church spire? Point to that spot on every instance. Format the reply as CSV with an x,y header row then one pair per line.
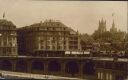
x,y
113,29
113,24
4,15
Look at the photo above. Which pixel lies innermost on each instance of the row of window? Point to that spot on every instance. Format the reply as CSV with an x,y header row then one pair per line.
x,y
8,42
5,51
111,65
53,47
42,42
102,76
73,38
52,38
49,28
73,47
8,38
6,27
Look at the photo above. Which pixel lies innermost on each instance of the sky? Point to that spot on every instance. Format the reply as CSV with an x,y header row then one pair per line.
x,y
83,16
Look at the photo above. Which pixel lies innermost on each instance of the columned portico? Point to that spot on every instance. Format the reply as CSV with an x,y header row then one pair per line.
x,y
71,67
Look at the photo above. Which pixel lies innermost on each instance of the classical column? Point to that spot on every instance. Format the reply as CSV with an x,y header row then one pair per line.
x,y
80,69
13,65
67,43
46,67
39,44
63,68
29,66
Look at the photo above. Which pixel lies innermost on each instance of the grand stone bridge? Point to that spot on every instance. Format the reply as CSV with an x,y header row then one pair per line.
x,y
82,67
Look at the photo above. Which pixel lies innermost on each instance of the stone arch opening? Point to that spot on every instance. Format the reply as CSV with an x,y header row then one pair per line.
x,y
21,66
38,65
6,65
72,68
88,68
54,66
119,77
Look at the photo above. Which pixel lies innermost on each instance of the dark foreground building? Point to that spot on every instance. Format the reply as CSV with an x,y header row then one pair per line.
x,y
8,38
49,35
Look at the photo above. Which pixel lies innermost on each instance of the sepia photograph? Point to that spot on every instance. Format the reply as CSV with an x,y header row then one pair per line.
x,y
63,40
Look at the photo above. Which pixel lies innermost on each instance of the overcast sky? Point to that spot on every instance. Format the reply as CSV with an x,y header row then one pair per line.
x,y
80,15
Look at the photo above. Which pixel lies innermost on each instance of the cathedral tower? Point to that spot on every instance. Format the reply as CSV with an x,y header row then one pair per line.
x,y
113,29
102,26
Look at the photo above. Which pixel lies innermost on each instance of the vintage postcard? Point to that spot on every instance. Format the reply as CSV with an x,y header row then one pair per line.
x,y
61,39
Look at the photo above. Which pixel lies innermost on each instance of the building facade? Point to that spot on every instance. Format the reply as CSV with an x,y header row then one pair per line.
x,y
8,38
49,35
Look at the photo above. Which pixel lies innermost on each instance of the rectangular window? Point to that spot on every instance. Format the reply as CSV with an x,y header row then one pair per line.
x,y
64,42
53,47
48,47
42,47
64,47
48,38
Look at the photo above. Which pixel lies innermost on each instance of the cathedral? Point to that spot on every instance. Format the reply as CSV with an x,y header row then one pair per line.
x,y
102,27
102,34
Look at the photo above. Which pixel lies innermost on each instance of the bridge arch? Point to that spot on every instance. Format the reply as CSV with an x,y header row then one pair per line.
x,y
88,68
21,66
6,65
72,68
54,66
37,65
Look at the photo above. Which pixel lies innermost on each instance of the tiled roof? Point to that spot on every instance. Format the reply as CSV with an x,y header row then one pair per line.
x,y
49,23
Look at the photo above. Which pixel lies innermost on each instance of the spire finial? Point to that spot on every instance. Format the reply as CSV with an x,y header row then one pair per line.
x,y
3,15
113,14
113,24
102,19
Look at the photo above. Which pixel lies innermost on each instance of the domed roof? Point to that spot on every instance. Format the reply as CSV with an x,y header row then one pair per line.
x,y
5,23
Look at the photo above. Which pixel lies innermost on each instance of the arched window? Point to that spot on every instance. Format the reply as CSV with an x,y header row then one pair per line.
x,y
54,66
6,65
72,67
88,68
21,66
37,65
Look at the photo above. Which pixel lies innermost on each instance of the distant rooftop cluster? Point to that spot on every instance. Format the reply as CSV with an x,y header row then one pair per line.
x,y
52,35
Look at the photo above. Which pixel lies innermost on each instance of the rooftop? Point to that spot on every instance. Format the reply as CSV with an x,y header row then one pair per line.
x,y
4,22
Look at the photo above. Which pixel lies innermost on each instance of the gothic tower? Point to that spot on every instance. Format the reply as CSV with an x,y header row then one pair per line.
x,y
113,29
102,26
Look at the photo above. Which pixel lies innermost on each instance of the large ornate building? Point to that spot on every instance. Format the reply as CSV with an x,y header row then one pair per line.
x,y
49,35
8,38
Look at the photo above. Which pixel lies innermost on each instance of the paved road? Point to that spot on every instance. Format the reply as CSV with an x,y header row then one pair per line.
x,y
17,75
